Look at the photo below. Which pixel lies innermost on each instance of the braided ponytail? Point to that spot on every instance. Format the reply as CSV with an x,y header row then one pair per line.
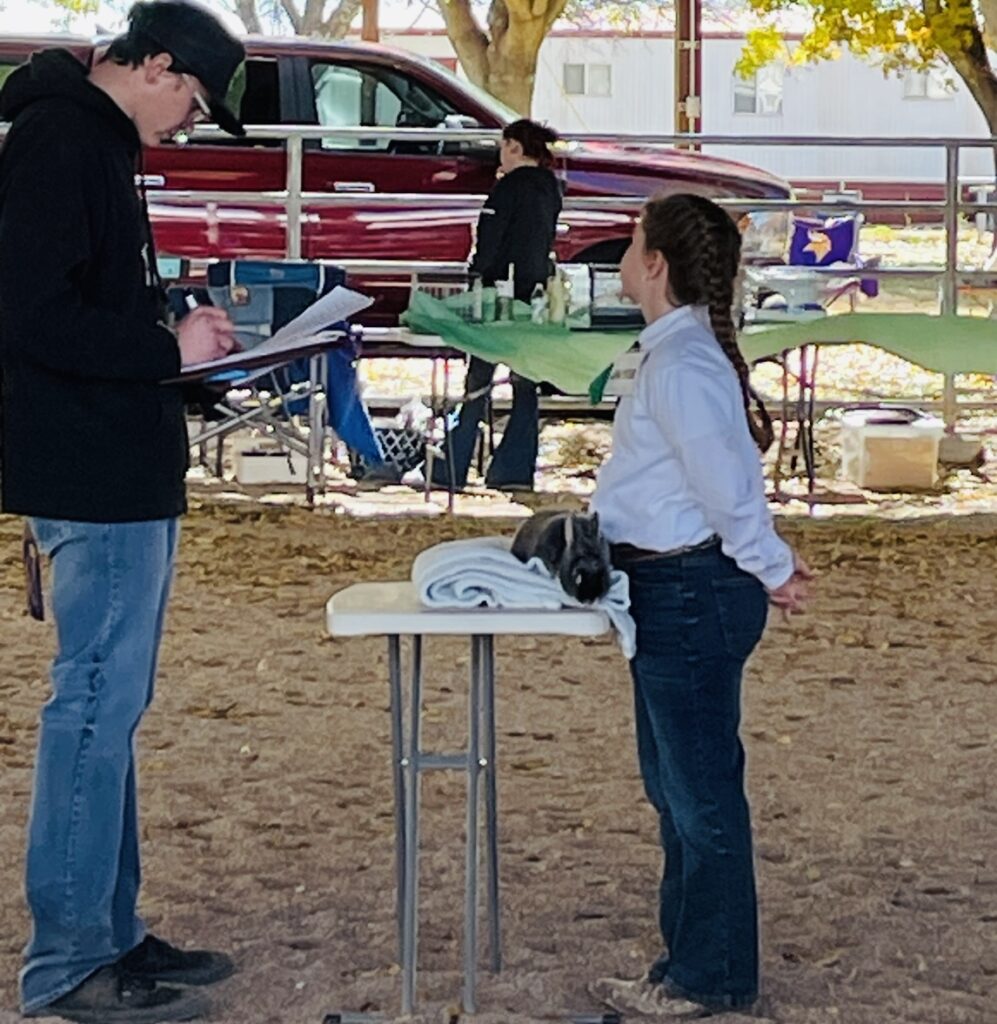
x,y
703,248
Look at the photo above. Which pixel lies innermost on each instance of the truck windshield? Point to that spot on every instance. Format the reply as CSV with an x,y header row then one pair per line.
x,y
503,114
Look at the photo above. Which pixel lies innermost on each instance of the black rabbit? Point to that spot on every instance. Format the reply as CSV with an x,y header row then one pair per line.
x,y
572,548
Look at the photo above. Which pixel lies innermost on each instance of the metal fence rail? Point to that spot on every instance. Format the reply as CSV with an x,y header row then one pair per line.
x,y
293,199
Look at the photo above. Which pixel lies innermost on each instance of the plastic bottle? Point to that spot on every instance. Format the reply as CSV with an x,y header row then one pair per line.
x,y
538,305
506,294
556,299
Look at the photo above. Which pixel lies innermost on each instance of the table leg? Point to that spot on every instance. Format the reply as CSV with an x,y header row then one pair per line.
x,y
471,868
398,771
491,802
448,438
410,921
316,426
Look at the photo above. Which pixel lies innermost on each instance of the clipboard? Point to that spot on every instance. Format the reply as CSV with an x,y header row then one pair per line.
x,y
306,335
231,369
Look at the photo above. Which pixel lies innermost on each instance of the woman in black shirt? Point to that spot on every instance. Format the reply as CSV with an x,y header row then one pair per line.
x,y
517,227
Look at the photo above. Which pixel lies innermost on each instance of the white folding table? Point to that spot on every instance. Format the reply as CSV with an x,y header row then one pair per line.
x,y
394,610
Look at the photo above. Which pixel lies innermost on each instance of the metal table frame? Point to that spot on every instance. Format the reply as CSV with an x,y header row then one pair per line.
x,y
393,610
477,760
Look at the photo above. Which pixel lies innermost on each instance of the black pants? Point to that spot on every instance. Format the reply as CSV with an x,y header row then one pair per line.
x,y
514,460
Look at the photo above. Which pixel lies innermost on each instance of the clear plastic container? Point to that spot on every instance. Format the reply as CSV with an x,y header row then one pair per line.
x,y
890,450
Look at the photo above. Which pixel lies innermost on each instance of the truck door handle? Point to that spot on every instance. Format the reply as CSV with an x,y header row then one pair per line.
x,y
353,186
151,180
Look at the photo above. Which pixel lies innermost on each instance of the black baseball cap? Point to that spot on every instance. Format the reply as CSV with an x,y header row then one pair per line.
x,y
199,45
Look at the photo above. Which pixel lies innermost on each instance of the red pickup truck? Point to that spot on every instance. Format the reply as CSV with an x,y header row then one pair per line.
x,y
302,82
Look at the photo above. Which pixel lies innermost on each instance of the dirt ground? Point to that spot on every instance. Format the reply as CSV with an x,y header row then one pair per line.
x,y
266,799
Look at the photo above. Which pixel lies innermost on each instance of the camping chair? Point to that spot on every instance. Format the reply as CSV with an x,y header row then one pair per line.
x,y
782,294
261,297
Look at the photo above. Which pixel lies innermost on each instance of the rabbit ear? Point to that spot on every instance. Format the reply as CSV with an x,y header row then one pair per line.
x,y
569,532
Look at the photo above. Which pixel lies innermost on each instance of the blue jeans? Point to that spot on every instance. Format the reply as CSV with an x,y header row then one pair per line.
x,y
698,619
110,584
514,460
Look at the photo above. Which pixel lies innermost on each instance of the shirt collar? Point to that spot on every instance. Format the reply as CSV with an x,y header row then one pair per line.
x,y
671,323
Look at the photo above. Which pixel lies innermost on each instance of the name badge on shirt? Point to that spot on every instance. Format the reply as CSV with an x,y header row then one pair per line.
x,y
623,374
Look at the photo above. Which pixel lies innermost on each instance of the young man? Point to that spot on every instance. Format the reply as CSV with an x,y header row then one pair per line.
x,y
94,451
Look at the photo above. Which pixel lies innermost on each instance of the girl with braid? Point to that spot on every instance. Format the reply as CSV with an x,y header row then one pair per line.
x,y
682,502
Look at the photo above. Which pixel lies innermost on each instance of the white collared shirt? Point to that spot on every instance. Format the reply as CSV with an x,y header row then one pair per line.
x,y
684,465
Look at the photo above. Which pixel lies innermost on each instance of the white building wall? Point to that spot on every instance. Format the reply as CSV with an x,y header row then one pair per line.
x,y
642,85
843,97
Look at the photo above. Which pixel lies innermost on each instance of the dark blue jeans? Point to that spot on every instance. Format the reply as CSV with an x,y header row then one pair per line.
x,y
698,619
514,460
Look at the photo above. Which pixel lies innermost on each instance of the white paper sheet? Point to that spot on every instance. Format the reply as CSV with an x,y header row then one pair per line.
x,y
304,330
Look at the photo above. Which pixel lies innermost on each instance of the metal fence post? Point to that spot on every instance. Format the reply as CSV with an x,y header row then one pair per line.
x,y
950,282
295,163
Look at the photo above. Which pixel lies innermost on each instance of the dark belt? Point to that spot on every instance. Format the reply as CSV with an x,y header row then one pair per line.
x,y
631,553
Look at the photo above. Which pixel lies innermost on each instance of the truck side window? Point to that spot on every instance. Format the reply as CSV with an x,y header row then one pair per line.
x,y
351,97
255,97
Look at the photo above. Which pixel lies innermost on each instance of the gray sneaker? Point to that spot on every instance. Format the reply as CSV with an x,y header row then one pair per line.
x,y
645,998
108,996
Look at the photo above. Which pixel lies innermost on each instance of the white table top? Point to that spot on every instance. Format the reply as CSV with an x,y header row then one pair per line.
x,y
403,336
393,609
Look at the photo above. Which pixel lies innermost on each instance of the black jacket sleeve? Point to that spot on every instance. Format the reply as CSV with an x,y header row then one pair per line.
x,y
491,254
51,211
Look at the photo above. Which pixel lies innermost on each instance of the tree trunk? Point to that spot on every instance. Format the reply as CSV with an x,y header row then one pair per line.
x,y
311,20
971,59
502,60
249,16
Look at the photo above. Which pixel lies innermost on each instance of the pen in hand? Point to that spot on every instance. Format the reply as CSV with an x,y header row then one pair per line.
x,y
204,334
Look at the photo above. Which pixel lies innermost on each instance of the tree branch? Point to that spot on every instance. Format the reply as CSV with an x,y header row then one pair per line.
x,y
468,38
988,8
968,54
338,23
293,15
249,16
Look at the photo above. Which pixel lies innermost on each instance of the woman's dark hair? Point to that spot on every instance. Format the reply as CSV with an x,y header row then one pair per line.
x,y
536,139
703,248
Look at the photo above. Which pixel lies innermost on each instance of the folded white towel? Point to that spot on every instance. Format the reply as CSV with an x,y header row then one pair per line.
x,y
483,572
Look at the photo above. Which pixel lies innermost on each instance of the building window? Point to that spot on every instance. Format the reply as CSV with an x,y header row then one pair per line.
x,y
600,80
574,79
761,93
927,85
588,80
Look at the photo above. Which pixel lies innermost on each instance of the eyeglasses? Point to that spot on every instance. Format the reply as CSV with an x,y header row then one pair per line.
x,y
200,109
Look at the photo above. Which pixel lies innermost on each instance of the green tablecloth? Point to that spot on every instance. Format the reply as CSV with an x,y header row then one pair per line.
x,y
576,360
945,344
571,360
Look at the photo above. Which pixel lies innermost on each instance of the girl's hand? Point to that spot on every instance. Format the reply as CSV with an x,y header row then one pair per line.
x,y
793,595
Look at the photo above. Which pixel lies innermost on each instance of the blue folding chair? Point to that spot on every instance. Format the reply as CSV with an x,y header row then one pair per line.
x,y
260,298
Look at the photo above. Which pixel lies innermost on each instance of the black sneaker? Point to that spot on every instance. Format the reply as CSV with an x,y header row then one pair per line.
x,y
108,996
155,960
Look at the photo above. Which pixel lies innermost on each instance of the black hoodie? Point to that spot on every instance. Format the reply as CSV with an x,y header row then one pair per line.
x,y
87,432
517,225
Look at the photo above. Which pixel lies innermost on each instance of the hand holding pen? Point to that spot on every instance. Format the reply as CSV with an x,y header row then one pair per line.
x,y
205,333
